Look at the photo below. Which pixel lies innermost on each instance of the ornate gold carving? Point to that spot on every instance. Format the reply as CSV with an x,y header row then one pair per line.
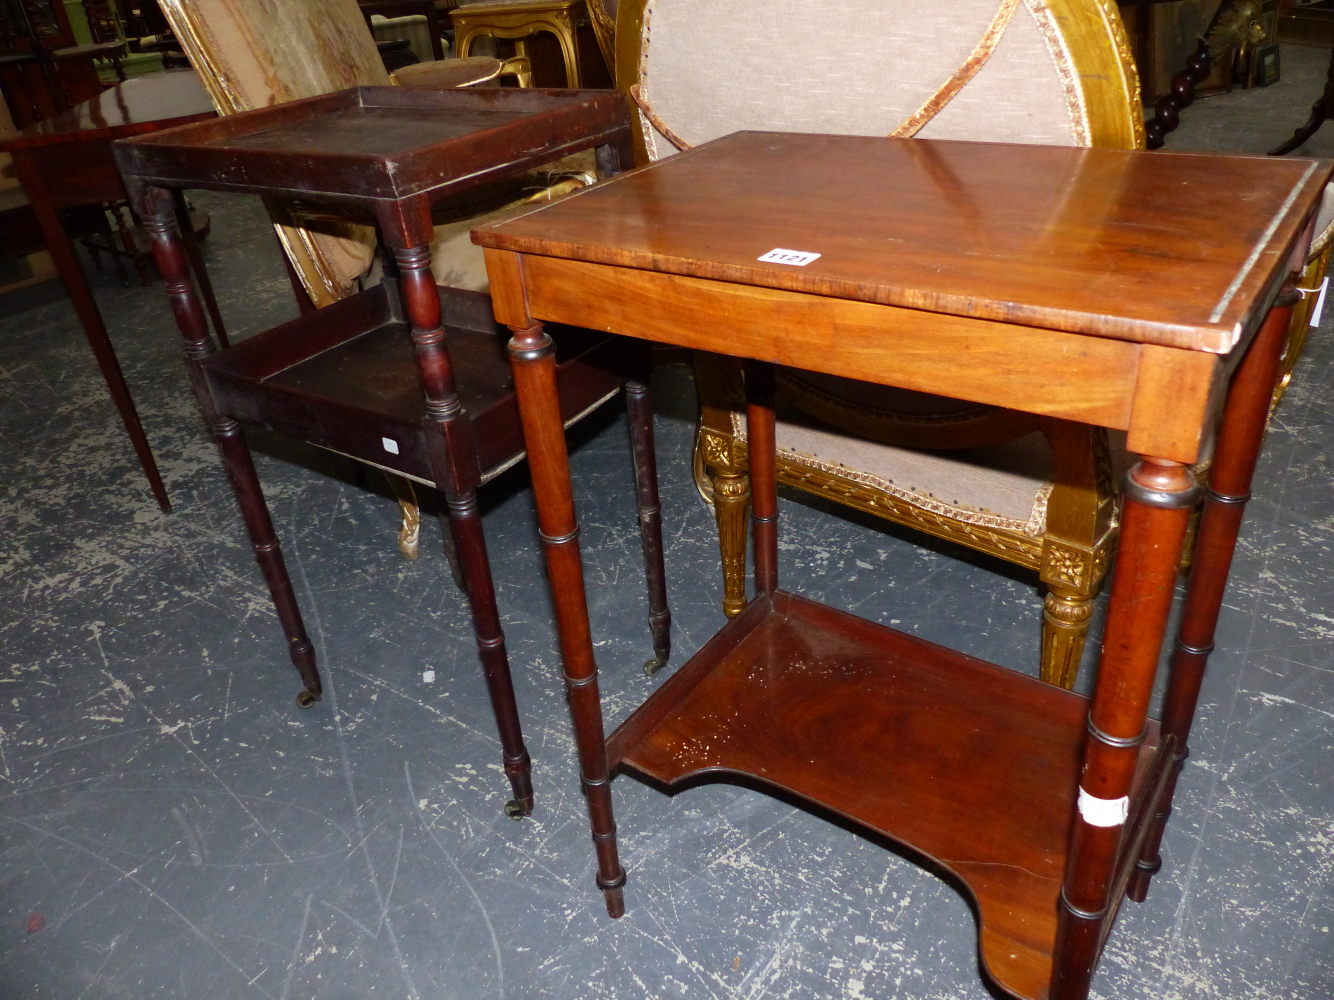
x,y
1065,623
1065,564
1012,546
717,449
1067,612
731,500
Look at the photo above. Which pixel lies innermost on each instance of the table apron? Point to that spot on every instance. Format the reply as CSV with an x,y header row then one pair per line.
x,y
1087,379
73,174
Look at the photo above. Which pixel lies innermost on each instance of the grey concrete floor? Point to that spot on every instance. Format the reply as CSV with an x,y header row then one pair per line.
x,y
172,825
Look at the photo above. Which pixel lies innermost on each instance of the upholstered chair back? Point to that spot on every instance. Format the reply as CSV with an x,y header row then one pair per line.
x,y
1038,71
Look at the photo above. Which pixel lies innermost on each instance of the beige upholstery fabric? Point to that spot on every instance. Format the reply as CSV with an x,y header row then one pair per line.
x,y
1004,486
711,68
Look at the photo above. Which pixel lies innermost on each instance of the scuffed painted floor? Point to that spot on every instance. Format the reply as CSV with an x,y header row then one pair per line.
x,y
172,825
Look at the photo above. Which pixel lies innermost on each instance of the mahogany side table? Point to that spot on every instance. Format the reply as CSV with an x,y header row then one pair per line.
x,y
65,162
403,376
1108,287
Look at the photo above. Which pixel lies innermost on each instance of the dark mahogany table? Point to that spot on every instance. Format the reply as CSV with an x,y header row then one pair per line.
x,y
404,376
66,161
1109,287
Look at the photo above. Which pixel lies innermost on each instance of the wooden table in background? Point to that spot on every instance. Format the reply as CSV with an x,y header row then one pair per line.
x,y
1116,288
65,162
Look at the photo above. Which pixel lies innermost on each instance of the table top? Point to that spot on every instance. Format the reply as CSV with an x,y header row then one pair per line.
x,y
1171,249
145,102
377,143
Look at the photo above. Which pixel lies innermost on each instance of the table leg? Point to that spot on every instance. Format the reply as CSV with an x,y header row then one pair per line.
x,y
639,407
1158,498
196,257
71,274
1239,438
160,223
453,452
760,444
533,357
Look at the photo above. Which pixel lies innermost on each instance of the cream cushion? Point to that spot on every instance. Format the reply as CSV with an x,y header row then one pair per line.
x,y
1003,486
414,27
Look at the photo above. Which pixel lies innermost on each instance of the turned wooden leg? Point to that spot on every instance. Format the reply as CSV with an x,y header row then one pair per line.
x,y
532,355
196,257
1158,498
639,410
409,529
1321,111
760,438
169,253
241,471
1065,625
1240,434
453,454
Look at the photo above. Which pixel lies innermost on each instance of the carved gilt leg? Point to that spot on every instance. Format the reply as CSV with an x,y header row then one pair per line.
x,y
731,508
409,531
1065,625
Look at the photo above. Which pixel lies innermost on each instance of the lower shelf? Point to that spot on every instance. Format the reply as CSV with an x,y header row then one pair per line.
x,y
970,764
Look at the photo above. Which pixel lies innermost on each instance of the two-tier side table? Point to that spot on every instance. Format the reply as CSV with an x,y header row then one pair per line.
x,y
404,375
1115,288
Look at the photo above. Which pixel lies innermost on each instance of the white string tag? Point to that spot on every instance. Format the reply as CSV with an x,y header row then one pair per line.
x,y
1320,302
1103,812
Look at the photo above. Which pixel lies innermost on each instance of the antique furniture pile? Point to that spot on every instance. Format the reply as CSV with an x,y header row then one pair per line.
x,y
1120,291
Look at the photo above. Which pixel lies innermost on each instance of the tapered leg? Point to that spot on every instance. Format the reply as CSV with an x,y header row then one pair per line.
x,y
639,409
1224,504
454,464
90,318
532,355
760,438
1065,625
169,253
731,507
1158,497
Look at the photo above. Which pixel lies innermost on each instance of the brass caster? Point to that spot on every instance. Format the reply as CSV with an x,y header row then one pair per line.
x,y
514,809
306,698
652,666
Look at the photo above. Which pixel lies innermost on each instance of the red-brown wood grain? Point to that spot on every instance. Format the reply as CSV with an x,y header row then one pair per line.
x,y
1100,241
970,764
